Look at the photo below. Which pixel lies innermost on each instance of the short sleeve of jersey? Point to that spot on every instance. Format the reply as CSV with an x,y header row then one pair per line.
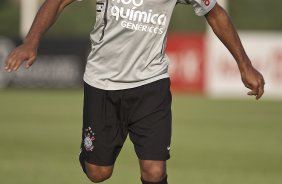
x,y
201,7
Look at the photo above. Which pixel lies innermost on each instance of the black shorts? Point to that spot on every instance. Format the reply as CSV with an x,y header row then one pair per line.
x,y
109,116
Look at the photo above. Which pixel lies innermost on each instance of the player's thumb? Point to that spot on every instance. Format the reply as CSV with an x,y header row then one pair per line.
x,y
29,62
253,92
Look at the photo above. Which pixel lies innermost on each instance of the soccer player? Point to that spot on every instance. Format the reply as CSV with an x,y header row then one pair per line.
x,y
127,87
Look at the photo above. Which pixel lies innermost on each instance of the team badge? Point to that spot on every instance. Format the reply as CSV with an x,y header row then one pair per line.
x,y
207,2
88,139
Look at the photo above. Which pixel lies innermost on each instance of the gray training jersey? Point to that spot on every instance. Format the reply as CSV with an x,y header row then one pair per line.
x,y
129,41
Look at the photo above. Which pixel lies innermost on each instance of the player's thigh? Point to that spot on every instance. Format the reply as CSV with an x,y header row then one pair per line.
x,y
102,133
150,130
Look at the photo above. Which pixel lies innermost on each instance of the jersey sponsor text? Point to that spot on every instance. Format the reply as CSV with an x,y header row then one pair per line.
x,y
145,21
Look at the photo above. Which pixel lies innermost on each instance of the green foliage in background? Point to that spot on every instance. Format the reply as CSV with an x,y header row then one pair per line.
x,y
79,18
214,141
256,14
9,18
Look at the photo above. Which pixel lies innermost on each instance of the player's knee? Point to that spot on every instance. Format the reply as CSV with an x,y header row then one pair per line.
x,y
98,175
153,173
97,178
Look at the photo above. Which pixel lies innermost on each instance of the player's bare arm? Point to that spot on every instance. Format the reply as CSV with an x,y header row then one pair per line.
x,y
27,52
223,27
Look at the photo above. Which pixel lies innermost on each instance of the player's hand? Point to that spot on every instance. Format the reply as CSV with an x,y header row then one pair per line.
x,y
253,80
24,53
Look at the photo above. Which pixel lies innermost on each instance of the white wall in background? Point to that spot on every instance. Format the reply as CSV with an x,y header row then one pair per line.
x,y
29,9
265,51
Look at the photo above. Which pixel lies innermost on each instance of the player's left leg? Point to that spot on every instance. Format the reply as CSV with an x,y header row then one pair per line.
x,y
150,129
153,172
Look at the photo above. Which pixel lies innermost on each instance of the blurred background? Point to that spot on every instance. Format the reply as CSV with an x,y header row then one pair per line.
x,y
219,135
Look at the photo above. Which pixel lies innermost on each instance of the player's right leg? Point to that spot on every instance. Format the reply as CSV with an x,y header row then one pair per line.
x,y
103,133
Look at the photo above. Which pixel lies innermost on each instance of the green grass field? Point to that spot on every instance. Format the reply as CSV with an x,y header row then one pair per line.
x,y
214,141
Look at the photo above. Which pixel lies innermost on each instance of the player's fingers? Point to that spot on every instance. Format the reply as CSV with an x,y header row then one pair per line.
x,y
7,65
13,60
260,90
7,61
10,62
259,95
17,64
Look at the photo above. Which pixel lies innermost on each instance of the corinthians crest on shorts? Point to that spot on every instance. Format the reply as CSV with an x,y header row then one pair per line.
x,y
88,139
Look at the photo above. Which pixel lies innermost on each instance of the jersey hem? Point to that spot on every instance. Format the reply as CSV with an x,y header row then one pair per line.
x,y
120,86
